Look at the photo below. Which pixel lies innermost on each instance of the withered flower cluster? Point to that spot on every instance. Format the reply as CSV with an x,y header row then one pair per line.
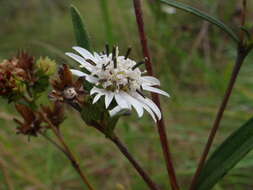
x,y
65,89
35,122
7,84
32,121
22,79
12,75
22,75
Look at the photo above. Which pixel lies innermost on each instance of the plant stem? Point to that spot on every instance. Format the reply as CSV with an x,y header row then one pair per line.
x,y
242,52
74,162
155,97
66,150
139,169
54,143
127,154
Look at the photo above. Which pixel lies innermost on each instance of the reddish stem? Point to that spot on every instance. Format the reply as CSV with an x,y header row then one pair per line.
x,y
136,165
242,53
155,97
152,185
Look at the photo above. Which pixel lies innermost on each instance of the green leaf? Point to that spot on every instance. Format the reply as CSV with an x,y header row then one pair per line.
x,y
226,156
204,16
91,112
104,6
81,34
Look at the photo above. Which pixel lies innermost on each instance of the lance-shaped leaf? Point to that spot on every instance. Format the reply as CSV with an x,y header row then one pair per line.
x,y
81,34
204,16
226,156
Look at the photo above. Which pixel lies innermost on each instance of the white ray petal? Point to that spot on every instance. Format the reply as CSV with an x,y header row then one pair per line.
x,y
85,53
145,106
91,79
155,90
114,111
121,101
97,56
97,97
154,107
108,99
95,90
149,111
81,60
151,80
150,104
78,73
138,107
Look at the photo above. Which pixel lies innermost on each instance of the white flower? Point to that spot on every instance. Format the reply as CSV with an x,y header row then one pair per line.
x,y
119,78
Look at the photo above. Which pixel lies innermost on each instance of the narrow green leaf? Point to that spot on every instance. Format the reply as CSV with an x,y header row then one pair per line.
x,y
107,21
81,34
226,156
204,16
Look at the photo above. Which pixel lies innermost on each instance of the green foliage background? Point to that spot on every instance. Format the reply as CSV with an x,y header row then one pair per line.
x,y
193,60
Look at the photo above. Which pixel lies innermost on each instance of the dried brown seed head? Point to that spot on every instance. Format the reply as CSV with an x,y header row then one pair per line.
x,y
65,88
55,113
32,122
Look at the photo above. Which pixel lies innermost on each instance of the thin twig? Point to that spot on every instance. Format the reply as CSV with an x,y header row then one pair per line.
x,y
155,97
243,18
152,185
54,143
139,169
68,152
242,51
241,55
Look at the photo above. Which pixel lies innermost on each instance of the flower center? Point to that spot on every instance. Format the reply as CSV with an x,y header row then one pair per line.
x,y
123,77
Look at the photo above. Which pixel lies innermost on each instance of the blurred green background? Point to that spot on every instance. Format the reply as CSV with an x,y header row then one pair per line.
x,y
192,59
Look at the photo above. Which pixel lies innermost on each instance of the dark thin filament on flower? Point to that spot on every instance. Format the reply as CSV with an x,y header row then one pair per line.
x,y
105,66
113,52
138,64
114,57
128,52
107,49
91,62
139,92
115,62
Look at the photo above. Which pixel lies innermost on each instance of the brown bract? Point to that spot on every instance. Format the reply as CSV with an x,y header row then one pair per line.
x,y
27,64
65,88
7,83
31,124
55,113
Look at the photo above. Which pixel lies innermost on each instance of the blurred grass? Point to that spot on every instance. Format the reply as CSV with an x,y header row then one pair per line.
x,y
193,60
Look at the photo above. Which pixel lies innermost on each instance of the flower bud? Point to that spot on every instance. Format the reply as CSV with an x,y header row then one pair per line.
x,y
46,65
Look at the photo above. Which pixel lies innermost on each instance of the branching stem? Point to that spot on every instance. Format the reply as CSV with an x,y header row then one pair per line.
x,y
242,52
135,164
66,150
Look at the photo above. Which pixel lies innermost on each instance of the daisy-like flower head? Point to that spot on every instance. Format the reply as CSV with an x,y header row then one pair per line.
x,y
118,78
